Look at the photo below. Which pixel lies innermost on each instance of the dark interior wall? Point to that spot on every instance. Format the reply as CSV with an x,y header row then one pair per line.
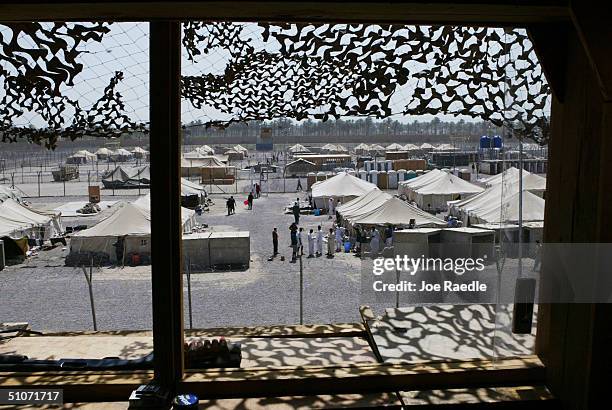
x,y
573,339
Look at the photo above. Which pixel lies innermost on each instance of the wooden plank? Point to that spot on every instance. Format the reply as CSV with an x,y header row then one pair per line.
x,y
166,231
309,380
449,11
328,401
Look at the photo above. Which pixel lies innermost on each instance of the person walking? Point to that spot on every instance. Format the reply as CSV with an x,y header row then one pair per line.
x,y
296,212
250,200
299,185
275,241
319,241
257,190
228,204
389,236
311,242
330,207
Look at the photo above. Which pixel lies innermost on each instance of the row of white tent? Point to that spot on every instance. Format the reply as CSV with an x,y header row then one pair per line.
x,y
130,221
365,148
499,203
434,189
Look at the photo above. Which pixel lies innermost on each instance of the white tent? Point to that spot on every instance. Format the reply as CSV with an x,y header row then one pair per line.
x,y
343,187
395,147
81,157
131,221
397,212
363,204
103,153
362,149
531,182
445,147
206,150
411,147
333,148
201,161
408,187
377,148
507,211
191,188
448,187
140,150
482,204
240,148
298,148
121,154
427,145
18,220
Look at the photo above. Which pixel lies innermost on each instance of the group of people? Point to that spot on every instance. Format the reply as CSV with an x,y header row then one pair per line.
x,y
298,238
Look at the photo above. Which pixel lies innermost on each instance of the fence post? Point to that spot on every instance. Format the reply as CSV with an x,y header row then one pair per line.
x,y
91,297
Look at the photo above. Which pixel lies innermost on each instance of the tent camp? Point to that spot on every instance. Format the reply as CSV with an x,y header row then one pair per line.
x,y
131,222
18,220
343,187
103,153
81,157
435,195
398,213
298,148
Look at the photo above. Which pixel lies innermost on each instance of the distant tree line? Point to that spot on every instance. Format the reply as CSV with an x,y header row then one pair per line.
x,y
357,130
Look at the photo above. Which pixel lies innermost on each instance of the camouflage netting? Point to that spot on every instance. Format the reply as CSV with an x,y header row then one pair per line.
x,y
294,71
33,79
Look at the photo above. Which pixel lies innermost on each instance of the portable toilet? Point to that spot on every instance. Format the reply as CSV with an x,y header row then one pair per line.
x,y
373,174
321,176
401,175
392,176
388,165
311,178
382,180
363,174
410,174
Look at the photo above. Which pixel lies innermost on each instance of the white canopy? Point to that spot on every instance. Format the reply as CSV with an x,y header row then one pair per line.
x,y
83,154
376,147
128,219
201,161
206,150
397,212
448,184
240,148
411,147
406,187
533,210
427,145
531,182
333,148
362,147
343,187
140,150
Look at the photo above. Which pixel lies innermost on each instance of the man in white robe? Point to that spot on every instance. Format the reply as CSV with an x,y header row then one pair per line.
x,y
339,237
375,242
311,244
330,243
331,209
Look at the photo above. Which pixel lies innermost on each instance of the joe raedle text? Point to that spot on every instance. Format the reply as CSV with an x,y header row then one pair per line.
x,y
429,280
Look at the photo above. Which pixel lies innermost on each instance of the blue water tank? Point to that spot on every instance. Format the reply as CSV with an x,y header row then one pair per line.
x,y
485,142
497,141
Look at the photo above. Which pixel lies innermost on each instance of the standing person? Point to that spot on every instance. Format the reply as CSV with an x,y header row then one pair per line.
x,y
228,204
537,260
257,190
389,236
375,242
300,243
296,212
339,238
250,200
311,242
319,241
232,205
330,243
330,207
358,240
275,241
299,185
294,241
